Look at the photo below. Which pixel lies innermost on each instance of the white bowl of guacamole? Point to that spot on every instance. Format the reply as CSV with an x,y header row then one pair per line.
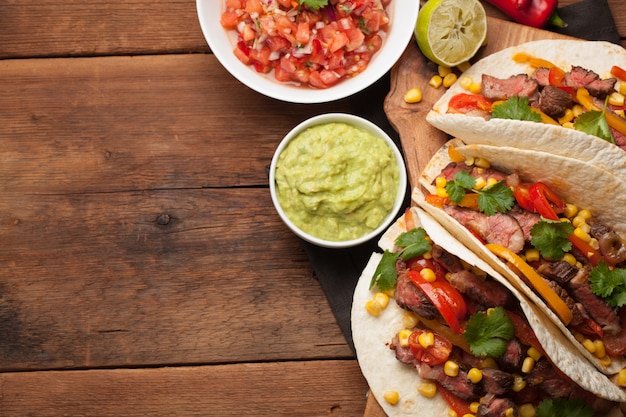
x,y
337,180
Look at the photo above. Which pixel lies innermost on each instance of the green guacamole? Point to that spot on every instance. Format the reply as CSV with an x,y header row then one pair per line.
x,y
337,182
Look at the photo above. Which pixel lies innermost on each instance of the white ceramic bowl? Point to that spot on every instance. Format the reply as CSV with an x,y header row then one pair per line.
x,y
359,123
403,15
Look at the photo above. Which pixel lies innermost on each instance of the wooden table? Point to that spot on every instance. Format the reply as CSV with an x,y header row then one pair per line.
x,y
144,271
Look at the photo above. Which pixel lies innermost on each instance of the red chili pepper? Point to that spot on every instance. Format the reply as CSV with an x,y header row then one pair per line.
x,y
535,13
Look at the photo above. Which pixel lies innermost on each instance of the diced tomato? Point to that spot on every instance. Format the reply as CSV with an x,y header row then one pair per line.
x,y
339,41
437,353
356,38
248,33
277,43
242,56
464,103
254,6
285,3
303,33
329,78
234,4
229,20
374,43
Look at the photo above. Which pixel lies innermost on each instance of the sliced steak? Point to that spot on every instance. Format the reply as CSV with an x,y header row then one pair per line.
x,y
544,376
496,381
559,271
525,219
513,356
578,311
499,228
501,89
492,406
459,385
484,292
542,75
580,77
554,101
409,297
596,307
450,262
615,344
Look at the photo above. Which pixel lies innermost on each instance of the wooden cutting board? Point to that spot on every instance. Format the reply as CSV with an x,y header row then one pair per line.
x,y
419,139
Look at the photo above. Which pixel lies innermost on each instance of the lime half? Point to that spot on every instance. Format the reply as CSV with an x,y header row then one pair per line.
x,y
450,32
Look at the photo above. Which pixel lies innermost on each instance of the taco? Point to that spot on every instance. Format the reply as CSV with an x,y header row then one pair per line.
x,y
541,222
410,345
530,93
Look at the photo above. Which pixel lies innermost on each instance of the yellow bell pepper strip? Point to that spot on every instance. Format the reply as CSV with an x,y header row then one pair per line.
x,y
584,98
533,61
545,118
540,285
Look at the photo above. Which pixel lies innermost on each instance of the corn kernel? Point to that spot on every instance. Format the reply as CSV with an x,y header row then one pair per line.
x,y
428,255
392,397
441,182
428,274
534,353
510,412
435,81
373,308
475,375
469,161
441,192
475,88
426,339
606,361
403,337
382,299
532,255
568,116
585,227
482,163
578,110
579,336
526,410
570,259
578,220
491,181
621,378
443,70
427,389
622,88
528,364
570,210
600,350
449,79
616,99
620,113
585,214
465,81
568,125
414,95
589,345
579,232
518,383
474,406
489,363
593,242
409,319
452,413
469,415
464,66
451,368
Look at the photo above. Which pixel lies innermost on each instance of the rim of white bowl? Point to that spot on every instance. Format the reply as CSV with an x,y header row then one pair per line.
x,y
359,122
403,14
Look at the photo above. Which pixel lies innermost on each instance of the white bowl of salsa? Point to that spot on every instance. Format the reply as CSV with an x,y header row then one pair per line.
x,y
319,59
337,180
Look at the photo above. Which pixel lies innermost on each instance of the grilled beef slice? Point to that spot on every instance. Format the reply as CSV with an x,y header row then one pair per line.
x,y
501,89
598,309
580,77
559,271
492,406
554,101
484,292
409,297
450,262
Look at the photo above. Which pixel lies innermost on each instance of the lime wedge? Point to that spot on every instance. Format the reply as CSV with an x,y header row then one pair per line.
x,y
450,32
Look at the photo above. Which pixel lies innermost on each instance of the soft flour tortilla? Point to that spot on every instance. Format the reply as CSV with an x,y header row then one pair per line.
x,y
596,56
384,372
575,181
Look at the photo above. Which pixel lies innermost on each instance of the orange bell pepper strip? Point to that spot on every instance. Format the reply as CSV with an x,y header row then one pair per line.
x,y
539,284
533,61
584,99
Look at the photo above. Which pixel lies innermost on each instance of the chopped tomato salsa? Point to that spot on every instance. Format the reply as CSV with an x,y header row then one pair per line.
x,y
315,48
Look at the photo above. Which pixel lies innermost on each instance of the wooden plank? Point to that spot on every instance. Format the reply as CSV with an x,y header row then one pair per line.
x,y
129,123
56,28
156,277
287,389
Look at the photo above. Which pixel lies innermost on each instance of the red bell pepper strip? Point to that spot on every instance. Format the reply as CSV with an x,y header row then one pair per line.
x,y
461,407
535,13
618,72
523,198
464,103
448,301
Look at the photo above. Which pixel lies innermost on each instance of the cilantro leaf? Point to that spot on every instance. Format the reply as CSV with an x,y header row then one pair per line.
x,y
385,276
487,334
594,123
550,238
609,284
561,407
516,108
313,4
496,197
456,188
413,244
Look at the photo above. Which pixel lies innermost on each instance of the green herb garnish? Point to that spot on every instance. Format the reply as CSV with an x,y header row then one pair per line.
x,y
594,123
313,4
550,238
610,284
487,334
413,244
515,108
561,407
494,198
